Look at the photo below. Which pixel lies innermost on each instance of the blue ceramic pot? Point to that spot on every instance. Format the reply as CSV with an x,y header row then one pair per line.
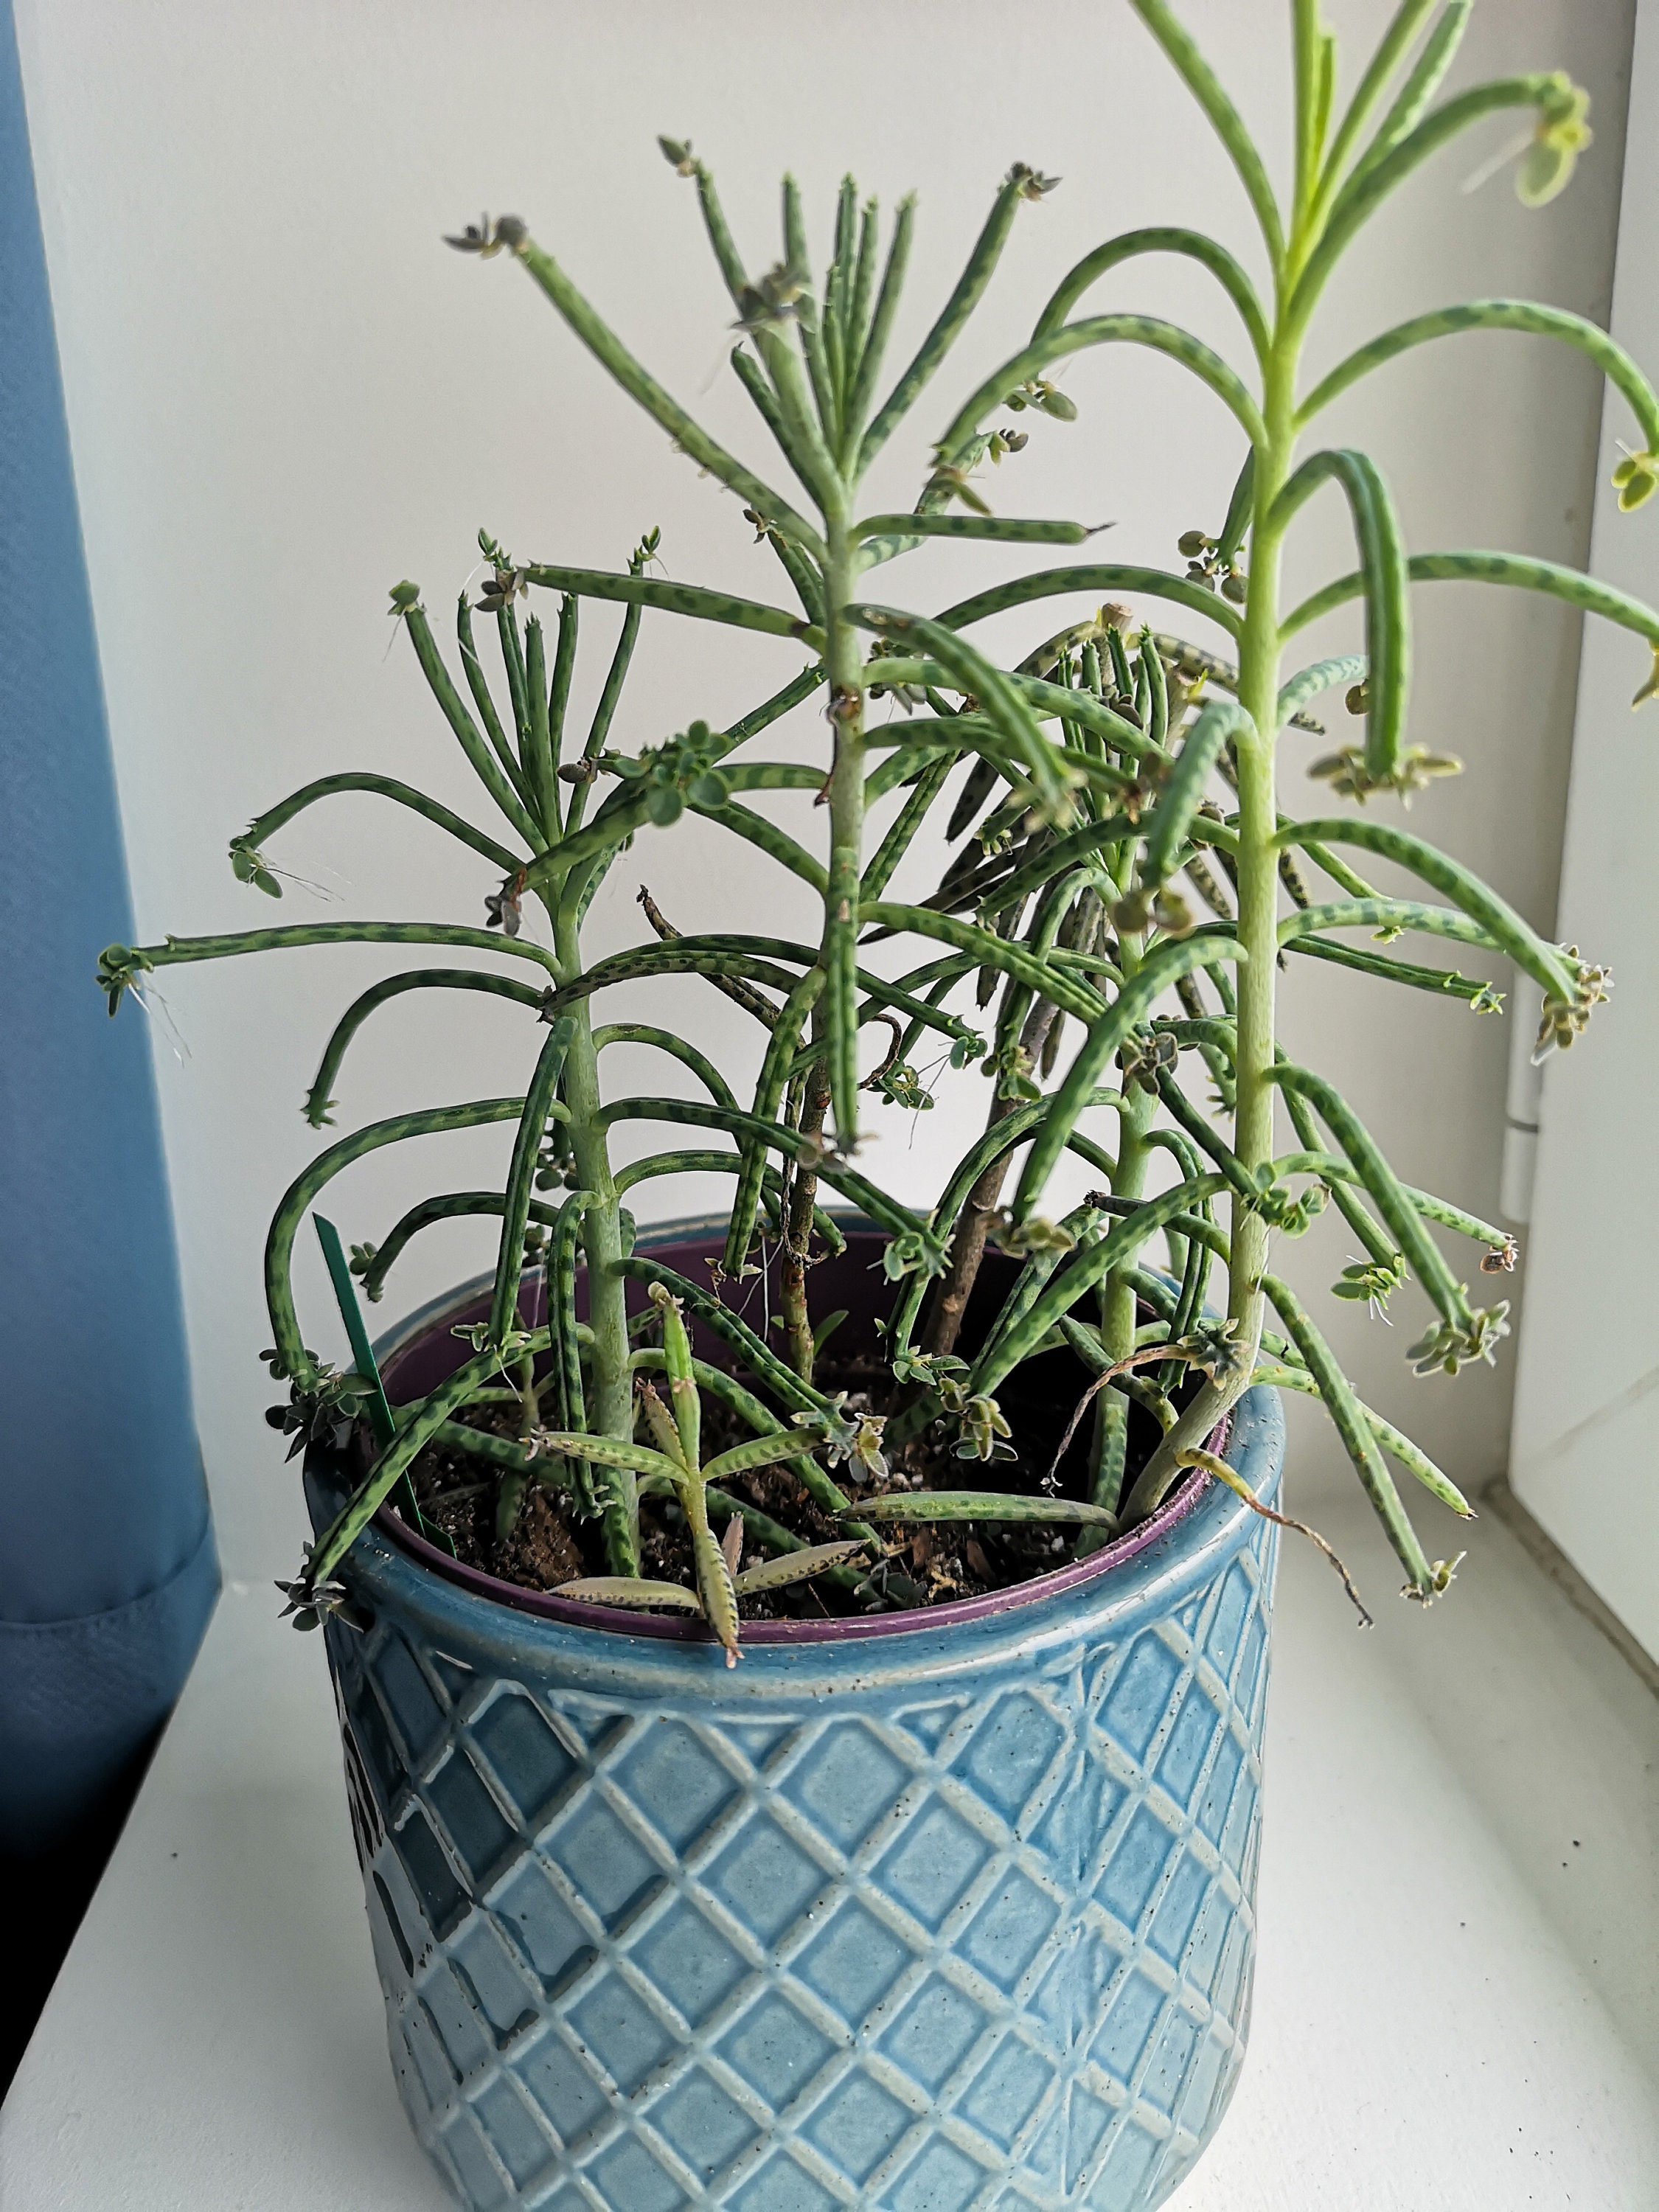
x,y
916,1913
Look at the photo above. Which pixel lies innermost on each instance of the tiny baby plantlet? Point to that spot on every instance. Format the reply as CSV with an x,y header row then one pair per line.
x,y
1105,945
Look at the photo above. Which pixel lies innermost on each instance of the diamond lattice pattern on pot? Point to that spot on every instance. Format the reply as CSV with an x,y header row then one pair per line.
x,y
990,1949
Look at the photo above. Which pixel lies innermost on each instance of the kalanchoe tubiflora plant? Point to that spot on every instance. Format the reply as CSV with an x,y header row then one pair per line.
x,y
1106,945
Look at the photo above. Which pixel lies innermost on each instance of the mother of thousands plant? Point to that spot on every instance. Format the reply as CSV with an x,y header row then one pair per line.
x,y
1103,768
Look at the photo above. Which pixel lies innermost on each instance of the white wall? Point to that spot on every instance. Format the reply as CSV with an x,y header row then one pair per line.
x,y
284,393
1583,1456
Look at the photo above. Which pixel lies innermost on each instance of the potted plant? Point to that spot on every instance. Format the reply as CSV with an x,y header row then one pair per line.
x,y
943,1895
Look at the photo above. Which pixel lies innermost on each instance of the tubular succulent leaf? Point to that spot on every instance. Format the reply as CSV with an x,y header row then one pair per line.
x,y
1387,633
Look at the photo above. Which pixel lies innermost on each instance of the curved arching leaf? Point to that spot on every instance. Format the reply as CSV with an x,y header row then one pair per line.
x,y
1148,331
1083,1269
382,787
1357,1438
1504,927
1384,1188
1343,668
1383,574
1094,577
318,1100
410,1441
1158,238
296,1200
1526,316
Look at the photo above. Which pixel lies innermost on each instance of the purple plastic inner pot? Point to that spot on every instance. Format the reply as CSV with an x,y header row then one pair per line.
x,y
853,1278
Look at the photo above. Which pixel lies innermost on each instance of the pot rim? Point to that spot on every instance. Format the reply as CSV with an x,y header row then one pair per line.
x,y
616,1620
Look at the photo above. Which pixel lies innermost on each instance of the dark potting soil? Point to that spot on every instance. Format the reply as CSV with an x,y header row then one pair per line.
x,y
458,1493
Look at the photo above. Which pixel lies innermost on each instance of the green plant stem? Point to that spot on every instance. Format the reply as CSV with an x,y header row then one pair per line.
x,y
1258,864
801,1187
1117,1297
843,669
611,1409
1257,928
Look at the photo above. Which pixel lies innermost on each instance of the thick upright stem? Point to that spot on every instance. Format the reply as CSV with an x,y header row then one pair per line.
x,y
1258,860
1117,1296
803,1193
844,668
612,1412
1257,879
1118,1311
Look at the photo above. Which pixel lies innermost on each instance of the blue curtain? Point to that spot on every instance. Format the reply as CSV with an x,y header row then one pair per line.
x,y
108,1569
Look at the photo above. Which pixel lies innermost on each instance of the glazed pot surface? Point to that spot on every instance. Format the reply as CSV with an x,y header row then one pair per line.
x,y
960,1916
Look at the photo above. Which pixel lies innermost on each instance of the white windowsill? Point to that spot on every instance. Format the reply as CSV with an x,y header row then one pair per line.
x,y
1457,2008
